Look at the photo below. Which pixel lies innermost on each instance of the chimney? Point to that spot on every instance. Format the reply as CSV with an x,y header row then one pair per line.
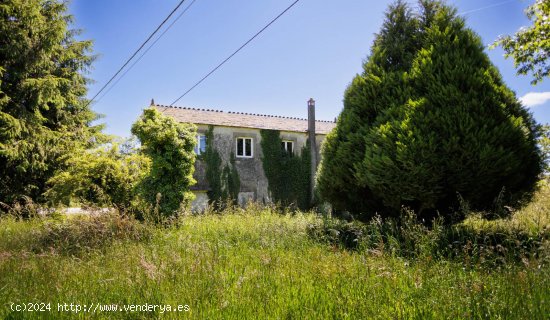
x,y
312,143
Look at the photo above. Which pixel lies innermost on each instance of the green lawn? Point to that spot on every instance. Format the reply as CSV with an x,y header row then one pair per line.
x,y
249,265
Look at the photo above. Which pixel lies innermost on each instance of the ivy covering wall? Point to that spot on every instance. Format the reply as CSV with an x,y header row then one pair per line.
x,y
224,183
288,174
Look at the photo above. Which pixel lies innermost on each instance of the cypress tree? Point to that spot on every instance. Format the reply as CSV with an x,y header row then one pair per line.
x,y
450,129
376,89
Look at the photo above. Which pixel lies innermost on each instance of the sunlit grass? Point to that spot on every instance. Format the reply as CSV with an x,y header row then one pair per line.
x,y
252,264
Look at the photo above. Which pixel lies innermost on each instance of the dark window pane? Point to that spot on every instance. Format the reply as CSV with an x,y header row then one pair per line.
x,y
240,151
290,147
248,147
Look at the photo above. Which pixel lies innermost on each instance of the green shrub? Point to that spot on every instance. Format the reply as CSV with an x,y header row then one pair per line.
x,y
485,245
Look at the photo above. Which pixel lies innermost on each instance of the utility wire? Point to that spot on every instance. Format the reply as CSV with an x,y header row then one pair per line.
x,y
234,53
487,7
135,53
147,50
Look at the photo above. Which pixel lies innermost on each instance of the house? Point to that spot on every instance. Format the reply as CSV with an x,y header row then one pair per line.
x,y
238,135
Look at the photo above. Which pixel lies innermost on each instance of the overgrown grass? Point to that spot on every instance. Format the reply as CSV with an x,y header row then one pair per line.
x,y
258,264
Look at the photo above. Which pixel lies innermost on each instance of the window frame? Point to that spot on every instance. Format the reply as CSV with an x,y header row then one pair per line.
x,y
197,148
244,147
285,148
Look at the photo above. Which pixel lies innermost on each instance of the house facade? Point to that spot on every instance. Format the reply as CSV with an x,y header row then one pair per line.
x,y
237,136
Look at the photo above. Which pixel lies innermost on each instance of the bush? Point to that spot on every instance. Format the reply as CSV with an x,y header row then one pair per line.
x,y
486,246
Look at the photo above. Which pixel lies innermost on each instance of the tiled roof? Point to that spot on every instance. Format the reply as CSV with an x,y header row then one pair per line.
x,y
243,120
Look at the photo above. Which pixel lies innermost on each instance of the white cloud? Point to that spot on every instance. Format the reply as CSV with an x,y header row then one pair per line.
x,y
532,99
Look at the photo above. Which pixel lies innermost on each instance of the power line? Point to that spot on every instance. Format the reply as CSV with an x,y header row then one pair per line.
x,y
135,53
147,50
234,53
487,7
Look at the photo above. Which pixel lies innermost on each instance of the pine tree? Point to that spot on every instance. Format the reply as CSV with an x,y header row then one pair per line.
x,y
43,111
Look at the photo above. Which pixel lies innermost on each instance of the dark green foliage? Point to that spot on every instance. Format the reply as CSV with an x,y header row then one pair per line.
x,y
43,112
419,134
223,184
169,145
106,176
407,237
288,175
378,88
231,177
213,172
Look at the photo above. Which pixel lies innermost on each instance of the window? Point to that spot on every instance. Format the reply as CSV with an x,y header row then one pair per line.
x,y
200,147
244,147
287,146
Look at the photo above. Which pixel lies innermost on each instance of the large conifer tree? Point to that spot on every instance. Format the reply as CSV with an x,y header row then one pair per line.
x,y
43,110
443,123
364,100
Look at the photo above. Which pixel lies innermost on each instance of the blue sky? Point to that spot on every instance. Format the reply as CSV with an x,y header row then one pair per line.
x,y
312,51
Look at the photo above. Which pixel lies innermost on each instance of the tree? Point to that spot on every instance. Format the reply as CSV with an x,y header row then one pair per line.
x,y
44,115
169,145
368,95
105,176
443,124
530,47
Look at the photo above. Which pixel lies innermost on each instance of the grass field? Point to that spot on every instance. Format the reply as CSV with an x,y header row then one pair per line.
x,y
258,264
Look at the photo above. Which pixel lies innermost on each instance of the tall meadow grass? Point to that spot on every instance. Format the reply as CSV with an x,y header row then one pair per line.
x,y
258,263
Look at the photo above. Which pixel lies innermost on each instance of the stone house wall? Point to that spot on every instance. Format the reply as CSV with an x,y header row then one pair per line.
x,y
254,184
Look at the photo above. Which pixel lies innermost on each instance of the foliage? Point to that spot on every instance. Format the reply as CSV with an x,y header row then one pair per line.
x,y
544,142
288,175
105,176
530,47
224,184
169,145
44,115
369,94
232,181
420,133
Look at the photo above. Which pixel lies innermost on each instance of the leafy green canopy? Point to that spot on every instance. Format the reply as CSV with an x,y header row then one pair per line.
x,y
169,145
530,47
43,112
105,176
438,122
